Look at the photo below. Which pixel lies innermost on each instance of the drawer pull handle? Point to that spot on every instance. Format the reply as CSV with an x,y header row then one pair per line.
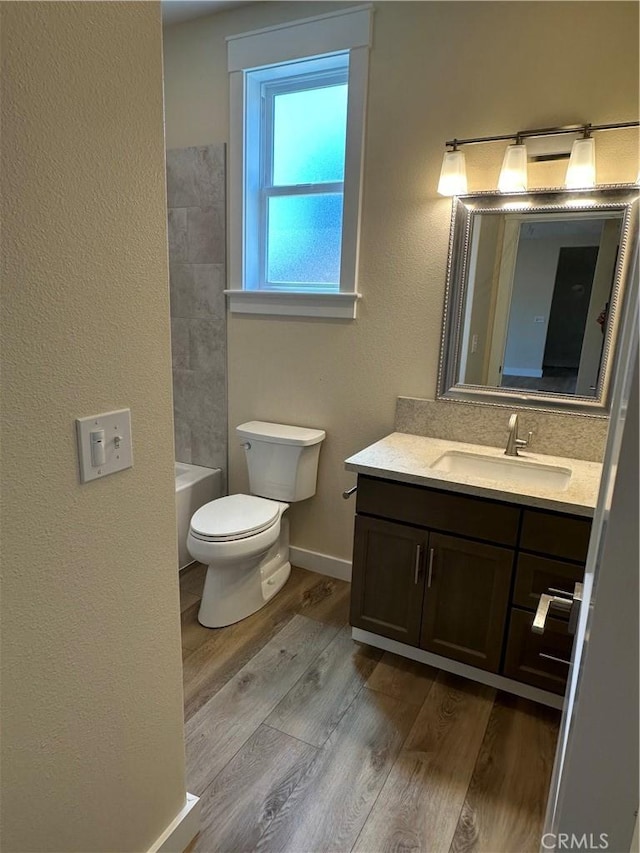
x,y
430,574
416,573
557,660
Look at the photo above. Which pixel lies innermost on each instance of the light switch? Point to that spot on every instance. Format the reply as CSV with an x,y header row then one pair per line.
x,y
98,456
104,444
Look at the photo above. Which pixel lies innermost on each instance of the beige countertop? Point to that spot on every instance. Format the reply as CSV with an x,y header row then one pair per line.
x,y
408,459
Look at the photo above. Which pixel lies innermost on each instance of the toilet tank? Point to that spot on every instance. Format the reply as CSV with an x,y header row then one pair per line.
x,y
282,460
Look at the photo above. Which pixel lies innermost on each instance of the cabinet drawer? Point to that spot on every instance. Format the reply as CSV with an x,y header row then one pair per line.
x,y
535,575
444,511
523,661
557,535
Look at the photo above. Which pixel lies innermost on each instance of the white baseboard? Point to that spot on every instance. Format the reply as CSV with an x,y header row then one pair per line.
x,y
544,697
324,564
182,829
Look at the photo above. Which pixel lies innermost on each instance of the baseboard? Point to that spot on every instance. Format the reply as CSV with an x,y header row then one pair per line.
x,y
323,564
182,829
534,373
544,697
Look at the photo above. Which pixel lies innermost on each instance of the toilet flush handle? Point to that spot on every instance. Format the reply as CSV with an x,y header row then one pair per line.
x,y
246,445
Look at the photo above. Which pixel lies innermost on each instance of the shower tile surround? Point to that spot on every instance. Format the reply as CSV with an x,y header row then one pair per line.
x,y
554,433
197,247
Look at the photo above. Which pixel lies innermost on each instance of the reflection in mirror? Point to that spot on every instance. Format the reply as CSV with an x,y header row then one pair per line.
x,y
537,302
535,286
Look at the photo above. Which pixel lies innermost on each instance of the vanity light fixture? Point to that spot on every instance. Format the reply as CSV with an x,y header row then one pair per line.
x,y
513,176
581,171
453,175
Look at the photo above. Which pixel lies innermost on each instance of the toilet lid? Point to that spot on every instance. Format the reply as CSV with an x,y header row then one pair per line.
x,y
234,516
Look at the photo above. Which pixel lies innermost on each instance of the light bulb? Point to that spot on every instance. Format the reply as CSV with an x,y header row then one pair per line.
x,y
453,176
513,175
581,171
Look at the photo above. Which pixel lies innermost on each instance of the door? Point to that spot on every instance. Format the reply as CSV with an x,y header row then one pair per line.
x,y
466,600
594,789
569,307
388,579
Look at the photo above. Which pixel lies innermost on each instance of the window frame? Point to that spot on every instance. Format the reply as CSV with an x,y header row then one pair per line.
x,y
265,56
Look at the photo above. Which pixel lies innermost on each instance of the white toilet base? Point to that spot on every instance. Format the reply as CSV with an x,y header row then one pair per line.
x,y
236,590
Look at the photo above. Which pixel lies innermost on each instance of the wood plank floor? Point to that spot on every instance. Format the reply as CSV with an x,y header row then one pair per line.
x,y
300,741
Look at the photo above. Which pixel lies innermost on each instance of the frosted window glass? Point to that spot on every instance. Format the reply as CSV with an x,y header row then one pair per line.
x,y
304,235
309,133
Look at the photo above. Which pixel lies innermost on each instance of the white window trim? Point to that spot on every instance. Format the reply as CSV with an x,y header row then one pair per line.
x,y
348,29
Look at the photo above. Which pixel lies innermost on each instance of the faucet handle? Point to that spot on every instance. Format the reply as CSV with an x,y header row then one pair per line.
x,y
524,442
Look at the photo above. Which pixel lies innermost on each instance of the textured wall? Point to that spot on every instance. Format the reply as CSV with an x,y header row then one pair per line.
x,y
93,755
196,196
437,70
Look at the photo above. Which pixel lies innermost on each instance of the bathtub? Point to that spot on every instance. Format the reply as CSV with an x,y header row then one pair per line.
x,y
195,486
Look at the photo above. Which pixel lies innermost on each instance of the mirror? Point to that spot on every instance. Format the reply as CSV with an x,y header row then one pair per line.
x,y
535,286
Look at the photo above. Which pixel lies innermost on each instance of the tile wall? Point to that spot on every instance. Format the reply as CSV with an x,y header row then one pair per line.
x,y
197,247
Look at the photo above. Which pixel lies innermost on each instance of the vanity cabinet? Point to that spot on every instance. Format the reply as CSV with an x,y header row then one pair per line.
x,y
461,576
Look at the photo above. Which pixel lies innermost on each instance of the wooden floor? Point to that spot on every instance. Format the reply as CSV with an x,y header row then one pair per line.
x,y
300,740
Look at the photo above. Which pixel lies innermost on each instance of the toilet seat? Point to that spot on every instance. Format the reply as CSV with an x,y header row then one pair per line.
x,y
234,517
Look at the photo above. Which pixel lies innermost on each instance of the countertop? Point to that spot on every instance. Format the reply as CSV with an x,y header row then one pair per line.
x,y
407,459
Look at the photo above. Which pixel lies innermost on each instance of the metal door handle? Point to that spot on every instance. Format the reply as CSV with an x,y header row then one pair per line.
x,y
430,572
544,605
567,605
416,573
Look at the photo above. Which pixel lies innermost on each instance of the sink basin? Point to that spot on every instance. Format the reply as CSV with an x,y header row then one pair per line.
x,y
503,469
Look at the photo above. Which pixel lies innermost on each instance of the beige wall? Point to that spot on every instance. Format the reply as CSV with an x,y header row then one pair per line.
x,y
437,70
93,755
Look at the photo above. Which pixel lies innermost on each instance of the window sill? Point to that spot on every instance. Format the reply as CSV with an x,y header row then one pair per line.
x,y
341,306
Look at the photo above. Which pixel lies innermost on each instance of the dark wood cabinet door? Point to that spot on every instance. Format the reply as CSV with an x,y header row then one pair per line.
x,y
466,600
388,579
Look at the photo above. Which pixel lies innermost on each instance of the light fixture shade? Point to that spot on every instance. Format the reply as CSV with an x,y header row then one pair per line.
x,y
513,175
453,176
581,171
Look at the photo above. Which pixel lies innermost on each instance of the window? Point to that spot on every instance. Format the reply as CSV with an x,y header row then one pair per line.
x,y
295,165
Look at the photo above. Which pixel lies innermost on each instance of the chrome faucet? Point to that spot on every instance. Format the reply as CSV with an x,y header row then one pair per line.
x,y
513,442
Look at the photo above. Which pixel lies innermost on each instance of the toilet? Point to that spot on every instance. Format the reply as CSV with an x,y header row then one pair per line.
x,y
244,539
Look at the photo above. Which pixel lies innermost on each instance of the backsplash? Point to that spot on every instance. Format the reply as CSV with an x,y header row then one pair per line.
x,y
197,256
554,433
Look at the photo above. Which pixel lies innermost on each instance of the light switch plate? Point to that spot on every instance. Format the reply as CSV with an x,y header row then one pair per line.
x,y
117,443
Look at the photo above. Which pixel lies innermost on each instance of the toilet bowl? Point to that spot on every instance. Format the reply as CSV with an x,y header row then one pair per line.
x,y
244,539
